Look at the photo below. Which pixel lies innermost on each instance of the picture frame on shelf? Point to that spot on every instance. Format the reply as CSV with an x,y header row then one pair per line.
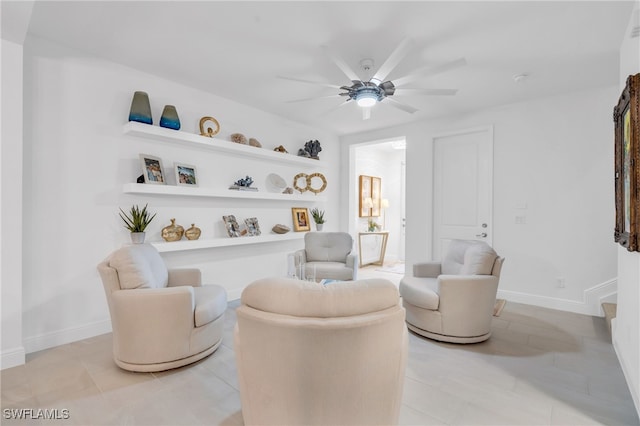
x,y
253,228
186,174
376,190
152,169
301,220
364,196
626,116
231,224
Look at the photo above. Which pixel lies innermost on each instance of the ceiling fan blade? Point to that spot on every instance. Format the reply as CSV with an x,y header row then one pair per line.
x,y
301,80
403,107
392,61
366,113
312,99
427,71
335,108
433,92
346,69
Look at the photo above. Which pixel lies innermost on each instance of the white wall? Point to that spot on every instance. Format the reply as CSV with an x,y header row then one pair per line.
x,y
553,154
12,350
76,161
626,326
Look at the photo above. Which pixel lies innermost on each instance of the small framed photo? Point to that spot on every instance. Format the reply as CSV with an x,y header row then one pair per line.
x,y
185,174
253,228
300,219
231,224
152,169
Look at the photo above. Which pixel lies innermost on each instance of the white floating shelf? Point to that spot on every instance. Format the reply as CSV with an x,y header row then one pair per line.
x,y
183,245
161,134
174,190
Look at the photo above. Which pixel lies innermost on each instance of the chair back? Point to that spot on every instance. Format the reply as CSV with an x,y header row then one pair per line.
x,y
313,354
469,257
327,246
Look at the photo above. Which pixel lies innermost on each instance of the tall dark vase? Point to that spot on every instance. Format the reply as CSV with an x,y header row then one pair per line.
x,y
140,108
170,118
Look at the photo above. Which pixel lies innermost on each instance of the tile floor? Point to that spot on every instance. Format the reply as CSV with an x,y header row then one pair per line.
x,y
540,367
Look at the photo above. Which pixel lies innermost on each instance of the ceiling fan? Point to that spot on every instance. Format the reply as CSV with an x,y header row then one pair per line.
x,y
367,93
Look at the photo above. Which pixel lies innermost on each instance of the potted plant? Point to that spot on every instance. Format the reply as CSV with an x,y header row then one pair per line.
x,y
136,221
318,218
372,226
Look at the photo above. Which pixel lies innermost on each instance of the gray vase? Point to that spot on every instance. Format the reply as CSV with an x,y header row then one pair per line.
x,y
137,237
170,118
140,108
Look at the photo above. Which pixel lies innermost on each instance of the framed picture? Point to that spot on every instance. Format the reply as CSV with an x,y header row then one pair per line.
x,y
152,169
626,115
365,196
376,189
185,174
253,229
233,229
300,219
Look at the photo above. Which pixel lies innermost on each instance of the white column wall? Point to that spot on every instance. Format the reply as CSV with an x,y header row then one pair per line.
x,y
12,350
626,326
76,161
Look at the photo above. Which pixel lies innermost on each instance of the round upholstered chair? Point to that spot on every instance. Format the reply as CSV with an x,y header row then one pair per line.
x,y
309,354
161,319
453,300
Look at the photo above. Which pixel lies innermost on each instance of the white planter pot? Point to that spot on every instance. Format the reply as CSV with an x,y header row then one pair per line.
x,y
137,237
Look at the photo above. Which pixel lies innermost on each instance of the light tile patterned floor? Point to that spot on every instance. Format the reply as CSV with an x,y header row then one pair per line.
x,y
541,367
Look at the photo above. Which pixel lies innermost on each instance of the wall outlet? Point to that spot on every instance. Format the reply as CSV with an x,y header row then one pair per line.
x,y
560,281
521,220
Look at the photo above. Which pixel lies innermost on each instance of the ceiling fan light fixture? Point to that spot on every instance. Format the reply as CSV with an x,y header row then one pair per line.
x,y
367,96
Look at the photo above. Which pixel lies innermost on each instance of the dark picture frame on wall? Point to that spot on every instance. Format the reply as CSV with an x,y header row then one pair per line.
x,y
626,116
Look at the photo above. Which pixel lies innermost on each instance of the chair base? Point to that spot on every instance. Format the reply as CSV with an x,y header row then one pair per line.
x,y
162,366
448,339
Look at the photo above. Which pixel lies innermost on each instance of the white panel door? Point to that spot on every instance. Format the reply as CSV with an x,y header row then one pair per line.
x,y
462,188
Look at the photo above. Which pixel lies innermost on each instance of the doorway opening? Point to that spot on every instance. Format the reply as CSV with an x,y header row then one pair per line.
x,y
377,218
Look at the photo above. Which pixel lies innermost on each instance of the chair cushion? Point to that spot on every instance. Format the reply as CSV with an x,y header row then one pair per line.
x,y
420,292
454,259
478,260
211,302
309,299
327,246
332,270
139,266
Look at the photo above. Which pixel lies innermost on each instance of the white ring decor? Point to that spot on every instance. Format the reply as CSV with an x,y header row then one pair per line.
x,y
309,182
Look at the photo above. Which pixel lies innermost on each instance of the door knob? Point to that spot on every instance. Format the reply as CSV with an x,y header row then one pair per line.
x,y
483,235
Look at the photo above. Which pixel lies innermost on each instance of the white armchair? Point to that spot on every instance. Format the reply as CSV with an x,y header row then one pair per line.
x,y
327,255
161,319
310,354
453,300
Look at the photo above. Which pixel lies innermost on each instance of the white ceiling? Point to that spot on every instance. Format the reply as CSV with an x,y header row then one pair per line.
x,y
237,49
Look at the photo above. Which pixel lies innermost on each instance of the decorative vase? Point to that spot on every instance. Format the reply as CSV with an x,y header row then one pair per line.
x,y
137,237
140,108
319,226
170,118
172,232
192,233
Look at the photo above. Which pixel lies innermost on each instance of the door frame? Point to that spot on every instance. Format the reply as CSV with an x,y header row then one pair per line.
x,y
488,129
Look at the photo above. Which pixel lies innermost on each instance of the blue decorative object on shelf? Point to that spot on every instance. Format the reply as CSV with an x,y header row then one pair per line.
x,y
170,118
140,108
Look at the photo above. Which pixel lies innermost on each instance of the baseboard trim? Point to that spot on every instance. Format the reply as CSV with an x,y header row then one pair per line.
x,y
625,367
61,337
589,305
12,358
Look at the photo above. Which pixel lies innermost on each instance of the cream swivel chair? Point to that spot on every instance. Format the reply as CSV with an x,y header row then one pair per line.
x,y
309,354
161,319
326,255
453,300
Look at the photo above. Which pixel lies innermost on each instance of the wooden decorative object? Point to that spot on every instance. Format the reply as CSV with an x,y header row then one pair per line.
x,y
301,220
626,116
209,132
